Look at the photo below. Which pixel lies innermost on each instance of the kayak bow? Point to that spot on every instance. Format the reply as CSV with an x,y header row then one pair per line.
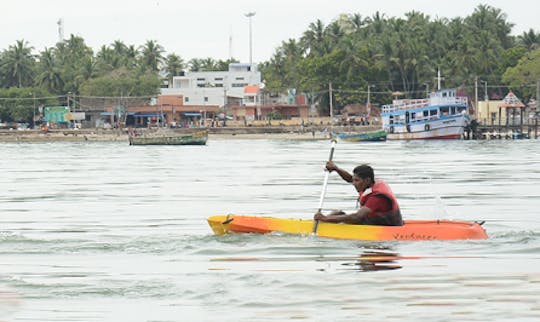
x,y
412,229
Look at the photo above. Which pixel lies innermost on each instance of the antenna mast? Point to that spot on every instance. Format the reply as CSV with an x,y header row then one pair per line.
x,y
60,24
230,43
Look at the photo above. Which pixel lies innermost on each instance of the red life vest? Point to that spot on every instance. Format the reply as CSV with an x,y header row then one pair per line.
x,y
388,218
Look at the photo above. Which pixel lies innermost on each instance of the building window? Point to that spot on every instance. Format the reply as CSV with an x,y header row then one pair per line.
x,y
206,98
201,79
239,78
218,78
239,84
186,99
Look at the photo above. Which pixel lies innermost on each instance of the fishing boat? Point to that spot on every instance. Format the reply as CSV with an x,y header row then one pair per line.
x,y
167,137
412,230
374,136
443,115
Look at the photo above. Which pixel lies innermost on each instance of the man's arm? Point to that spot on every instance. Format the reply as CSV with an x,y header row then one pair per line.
x,y
354,218
331,166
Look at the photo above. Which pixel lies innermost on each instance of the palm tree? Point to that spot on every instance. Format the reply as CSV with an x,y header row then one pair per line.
x,y
530,39
72,55
151,55
208,64
195,64
313,39
174,65
49,72
18,64
107,60
132,56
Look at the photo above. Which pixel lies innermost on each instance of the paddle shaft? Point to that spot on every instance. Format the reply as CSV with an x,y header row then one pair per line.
x,y
325,183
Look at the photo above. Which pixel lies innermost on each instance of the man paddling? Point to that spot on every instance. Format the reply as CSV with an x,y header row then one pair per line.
x,y
378,205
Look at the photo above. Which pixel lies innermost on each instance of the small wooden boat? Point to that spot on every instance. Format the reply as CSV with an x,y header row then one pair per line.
x,y
167,138
374,136
412,230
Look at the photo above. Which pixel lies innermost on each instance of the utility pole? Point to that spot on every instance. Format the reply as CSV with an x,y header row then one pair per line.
x,y
224,105
330,100
427,89
34,110
368,95
439,78
537,96
368,104
476,96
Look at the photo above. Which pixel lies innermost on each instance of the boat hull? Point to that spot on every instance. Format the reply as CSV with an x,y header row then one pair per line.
x,y
413,230
376,136
450,128
198,138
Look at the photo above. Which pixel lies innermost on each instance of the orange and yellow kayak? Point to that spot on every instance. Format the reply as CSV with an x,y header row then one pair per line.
x,y
412,229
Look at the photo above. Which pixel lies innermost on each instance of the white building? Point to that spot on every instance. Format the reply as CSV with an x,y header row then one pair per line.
x,y
217,88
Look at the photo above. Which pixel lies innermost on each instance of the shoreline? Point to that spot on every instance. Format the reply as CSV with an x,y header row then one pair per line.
x,y
31,136
222,133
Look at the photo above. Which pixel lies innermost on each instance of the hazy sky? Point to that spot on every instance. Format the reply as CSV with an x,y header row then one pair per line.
x,y
202,28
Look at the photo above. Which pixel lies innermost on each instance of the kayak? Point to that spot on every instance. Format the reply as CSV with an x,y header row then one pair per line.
x,y
412,230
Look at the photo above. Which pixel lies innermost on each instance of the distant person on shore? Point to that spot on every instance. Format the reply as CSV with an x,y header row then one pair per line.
x,y
378,205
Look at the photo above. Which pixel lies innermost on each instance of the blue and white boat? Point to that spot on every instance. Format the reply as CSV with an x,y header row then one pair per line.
x,y
441,116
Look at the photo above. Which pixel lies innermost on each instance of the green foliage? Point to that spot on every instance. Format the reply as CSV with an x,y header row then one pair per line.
x,y
20,104
122,82
527,71
395,54
274,115
17,65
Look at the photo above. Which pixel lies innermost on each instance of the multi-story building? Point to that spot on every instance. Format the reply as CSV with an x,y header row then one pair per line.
x,y
221,88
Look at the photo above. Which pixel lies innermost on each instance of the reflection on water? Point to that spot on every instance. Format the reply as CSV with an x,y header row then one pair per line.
x,y
9,303
376,261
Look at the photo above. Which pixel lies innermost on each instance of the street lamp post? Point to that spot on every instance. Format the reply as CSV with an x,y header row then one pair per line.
x,y
249,15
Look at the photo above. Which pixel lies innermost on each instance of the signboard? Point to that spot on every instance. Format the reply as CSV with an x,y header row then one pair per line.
x,y
75,116
56,114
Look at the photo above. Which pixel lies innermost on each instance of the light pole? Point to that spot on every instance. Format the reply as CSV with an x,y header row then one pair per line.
x,y
249,15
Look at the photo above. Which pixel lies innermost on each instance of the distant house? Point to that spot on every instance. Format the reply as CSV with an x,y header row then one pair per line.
x,y
361,110
509,110
168,110
220,88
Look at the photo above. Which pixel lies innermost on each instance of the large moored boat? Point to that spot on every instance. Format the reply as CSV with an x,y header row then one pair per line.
x,y
441,116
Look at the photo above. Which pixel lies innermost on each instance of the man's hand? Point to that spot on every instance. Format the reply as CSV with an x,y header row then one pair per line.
x,y
319,216
331,166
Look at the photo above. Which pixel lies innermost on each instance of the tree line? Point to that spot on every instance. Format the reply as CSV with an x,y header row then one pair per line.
x,y
356,54
388,54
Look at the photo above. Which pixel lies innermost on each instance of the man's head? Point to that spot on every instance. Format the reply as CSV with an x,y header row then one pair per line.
x,y
363,177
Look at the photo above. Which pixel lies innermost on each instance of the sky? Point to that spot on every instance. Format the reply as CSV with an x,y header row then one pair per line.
x,y
215,28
